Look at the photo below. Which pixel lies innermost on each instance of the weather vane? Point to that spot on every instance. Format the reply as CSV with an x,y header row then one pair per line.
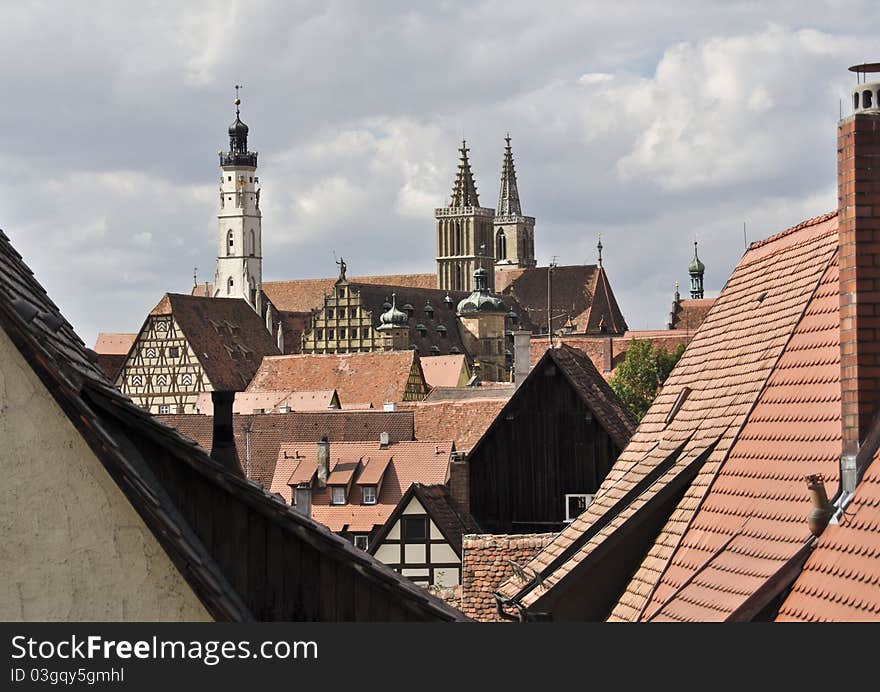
x,y
237,100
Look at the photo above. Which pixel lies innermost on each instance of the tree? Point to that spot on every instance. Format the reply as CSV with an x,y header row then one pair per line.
x,y
643,370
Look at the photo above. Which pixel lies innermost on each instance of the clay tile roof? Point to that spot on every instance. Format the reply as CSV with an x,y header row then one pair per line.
x,y
725,368
114,344
453,521
581,294
688,314
374,469
304,471
299,431
753,520
374,377
463,421
304,295
170,483
484,391
486,565
841,579
343,472
444,371
226,335
251,402
411,462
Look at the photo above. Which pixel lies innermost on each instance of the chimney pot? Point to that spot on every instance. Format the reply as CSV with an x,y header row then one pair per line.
x,y
822,510
323,461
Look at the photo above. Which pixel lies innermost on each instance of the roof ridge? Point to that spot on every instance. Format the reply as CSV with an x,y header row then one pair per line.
x,y
803,224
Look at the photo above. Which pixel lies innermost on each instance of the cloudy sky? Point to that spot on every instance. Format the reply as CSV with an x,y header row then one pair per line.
x,y
651,123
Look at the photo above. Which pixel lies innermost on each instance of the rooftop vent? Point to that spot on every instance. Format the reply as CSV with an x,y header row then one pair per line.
x,y
389,406
384,439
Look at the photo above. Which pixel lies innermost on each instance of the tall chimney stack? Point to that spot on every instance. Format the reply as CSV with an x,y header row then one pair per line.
x,y
223,441
858,190
323,461
522,353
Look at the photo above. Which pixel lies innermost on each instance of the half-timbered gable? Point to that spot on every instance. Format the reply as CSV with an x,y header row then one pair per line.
x,y
422,539
189,345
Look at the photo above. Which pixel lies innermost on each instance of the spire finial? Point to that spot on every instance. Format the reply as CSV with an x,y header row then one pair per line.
x,y
599,248
237,100
508,195
195,276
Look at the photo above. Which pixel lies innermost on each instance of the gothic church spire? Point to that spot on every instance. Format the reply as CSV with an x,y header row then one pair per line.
x,y
464,190
508,196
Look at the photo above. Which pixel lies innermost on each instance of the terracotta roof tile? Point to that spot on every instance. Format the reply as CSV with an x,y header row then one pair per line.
x,y
841,579
114,344
688,314
759,496
462,421
486,390
269,431
357,377
270,402
725,367
445,371
486,564
410,462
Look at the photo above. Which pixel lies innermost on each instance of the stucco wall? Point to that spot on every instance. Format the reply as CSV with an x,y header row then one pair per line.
x,y
71,546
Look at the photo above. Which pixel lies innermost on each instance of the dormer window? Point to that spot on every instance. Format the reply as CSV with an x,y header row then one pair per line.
x,y
422,329
429,311
435,350
441,330
369,494
337,495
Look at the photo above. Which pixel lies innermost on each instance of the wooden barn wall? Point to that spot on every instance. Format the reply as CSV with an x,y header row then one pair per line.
x,y
279,575
524,466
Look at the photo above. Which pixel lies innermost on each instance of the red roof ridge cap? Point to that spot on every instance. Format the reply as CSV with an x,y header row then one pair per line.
x,y
803,224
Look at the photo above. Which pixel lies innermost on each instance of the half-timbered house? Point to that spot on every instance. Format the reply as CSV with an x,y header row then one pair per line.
x,y
189,345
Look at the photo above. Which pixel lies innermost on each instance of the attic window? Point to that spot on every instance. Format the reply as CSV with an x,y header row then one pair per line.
x,y
369,494
455,350
441,330
422,329
435,350
337,495
575,505
362,541
679,402
409,309
415,529
429,310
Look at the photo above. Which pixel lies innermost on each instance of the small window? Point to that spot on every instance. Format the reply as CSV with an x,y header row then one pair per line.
x,y
362,541
252,179
337,495
354,333
229,178
340,292
369,492
164,408
342,333
866,98
319,333
415,529
230,243
329,313
174,352
331,333
575,505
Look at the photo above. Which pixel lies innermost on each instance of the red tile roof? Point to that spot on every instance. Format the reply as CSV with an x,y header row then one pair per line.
x,y
462,421
445,371
358,378
270,402
725,367
114,344
841,579
268,431
225,334
753,519
486,564
410,462
688,314
303,295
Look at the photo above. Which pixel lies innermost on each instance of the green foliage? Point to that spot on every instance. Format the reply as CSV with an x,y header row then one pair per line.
x,y
638,378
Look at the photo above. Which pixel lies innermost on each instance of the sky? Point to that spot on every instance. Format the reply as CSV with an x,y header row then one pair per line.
x,y
650,123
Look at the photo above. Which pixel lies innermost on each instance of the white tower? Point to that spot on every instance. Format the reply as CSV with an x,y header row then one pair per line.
x,y
239,271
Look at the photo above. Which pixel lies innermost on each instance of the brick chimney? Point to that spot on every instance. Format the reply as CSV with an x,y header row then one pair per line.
x,y
460,482
858,189
522,353
323,462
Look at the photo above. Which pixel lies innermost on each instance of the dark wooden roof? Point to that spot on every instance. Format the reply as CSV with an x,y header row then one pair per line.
x,y
245,554
226,335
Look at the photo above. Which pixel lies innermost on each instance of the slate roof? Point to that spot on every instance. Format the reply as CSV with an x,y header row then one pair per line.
x,y
374,377
147,460
444,371
225,334
689,313
486,565
581,294
463,421
405,463
725,368
268,431
841,578
753,520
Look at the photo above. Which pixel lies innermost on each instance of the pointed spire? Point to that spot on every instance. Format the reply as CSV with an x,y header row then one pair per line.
x,y
696,269
508,196
599,248
464,190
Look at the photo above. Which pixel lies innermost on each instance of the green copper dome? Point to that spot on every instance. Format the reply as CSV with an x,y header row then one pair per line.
x,y
696,266
393,317
481,300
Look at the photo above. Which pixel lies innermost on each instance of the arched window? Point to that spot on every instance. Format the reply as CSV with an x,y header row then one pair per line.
x,y
500,245
856,101
230,243
253,250
229,285
867,97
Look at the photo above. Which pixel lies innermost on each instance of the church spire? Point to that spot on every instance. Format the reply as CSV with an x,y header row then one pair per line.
x,y
696,269
508,196
238,154
464,190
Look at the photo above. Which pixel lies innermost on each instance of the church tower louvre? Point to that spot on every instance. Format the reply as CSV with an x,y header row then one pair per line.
x,y
464,233
514,234
239,272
